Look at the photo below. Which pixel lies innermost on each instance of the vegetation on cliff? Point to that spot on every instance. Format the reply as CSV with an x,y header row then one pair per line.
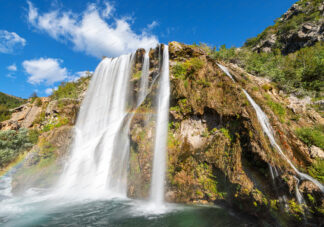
x,y
8,102
301,72
299,27
13,143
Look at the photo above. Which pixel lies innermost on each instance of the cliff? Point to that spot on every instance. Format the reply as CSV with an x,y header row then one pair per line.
x,y
301,26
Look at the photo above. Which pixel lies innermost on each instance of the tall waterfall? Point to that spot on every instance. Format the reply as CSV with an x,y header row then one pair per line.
x,y
89,170
159,161
266,127
99,154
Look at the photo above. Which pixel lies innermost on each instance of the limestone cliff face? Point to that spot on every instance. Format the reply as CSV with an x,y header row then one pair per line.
x,y
301,26
217,151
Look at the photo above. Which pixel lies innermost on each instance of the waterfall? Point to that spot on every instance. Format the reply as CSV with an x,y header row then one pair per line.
x,y
98,163
89,170
160,146
144,79
267,129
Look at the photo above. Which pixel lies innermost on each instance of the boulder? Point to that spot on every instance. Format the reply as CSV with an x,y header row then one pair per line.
x,y
316,152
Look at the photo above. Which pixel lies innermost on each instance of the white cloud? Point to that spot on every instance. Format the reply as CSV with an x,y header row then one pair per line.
x,y
152,25
10,41
78,75
12,67
49,91
90,32
45,70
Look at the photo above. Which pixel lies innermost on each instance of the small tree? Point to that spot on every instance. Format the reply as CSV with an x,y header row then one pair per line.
x,y
33,95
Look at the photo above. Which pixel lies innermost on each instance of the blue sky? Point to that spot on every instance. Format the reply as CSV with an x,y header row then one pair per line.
x,y
43,42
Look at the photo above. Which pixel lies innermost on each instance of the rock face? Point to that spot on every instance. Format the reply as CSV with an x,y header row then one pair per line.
x,y
301,26
23,116
217,152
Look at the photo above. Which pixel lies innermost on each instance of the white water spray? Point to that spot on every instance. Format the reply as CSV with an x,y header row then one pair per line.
x,y
160,147
89,171
267,129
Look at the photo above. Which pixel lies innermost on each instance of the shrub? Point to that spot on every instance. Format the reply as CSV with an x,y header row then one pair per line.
x,y
277,108
4,113
38,102
317,170
71,89
302,70
12,144
182,70
311,136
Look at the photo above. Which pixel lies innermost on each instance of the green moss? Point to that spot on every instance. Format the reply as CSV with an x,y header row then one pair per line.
x,y
187,69
296,209
316,170
204,83
267,87
137,75
274,204
226,133
277,108
311,198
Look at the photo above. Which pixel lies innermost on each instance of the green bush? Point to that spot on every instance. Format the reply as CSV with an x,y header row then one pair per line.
x,y
182,70
277,108
4,113
311,136
8,102
317,170
70,89
13,143
301,71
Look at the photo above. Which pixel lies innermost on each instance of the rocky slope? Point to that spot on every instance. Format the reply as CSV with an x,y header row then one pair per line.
x,y
302,25
50,121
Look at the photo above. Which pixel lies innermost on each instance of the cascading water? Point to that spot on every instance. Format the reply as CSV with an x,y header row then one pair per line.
x,y
264,121
89,170
99,155
160,147
144,79
267,129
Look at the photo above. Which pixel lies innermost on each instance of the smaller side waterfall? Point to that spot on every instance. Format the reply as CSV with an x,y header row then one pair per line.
x,y
266,127
160,147
264,121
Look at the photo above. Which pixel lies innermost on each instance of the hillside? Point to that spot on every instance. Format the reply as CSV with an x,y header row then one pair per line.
x,y
290,52
301,26
8,102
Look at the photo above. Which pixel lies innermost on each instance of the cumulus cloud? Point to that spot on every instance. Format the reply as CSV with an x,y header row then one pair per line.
x,y
45,70
90,32
78,75
10,41
50,91
12,67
